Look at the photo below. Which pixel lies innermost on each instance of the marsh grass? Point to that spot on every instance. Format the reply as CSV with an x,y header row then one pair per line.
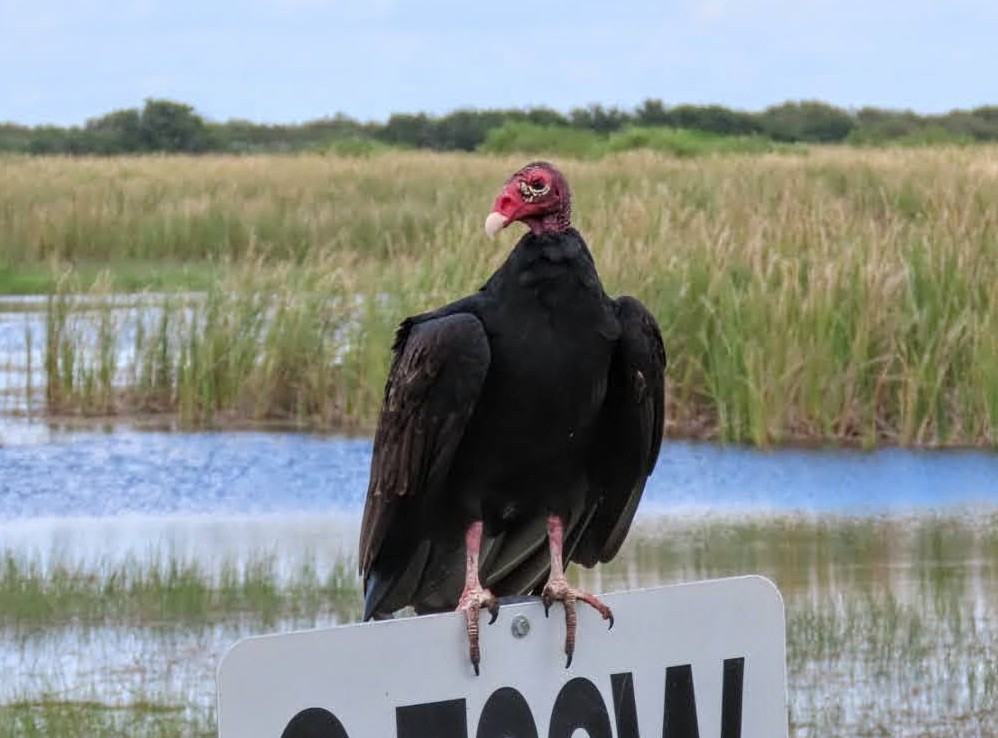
x,y
166,589
274,345
51,716
843,295
892,624
129,276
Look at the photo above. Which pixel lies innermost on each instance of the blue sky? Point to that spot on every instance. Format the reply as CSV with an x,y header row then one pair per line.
x,y
63,61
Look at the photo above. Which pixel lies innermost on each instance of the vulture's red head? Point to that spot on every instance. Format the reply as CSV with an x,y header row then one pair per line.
x,y
537,196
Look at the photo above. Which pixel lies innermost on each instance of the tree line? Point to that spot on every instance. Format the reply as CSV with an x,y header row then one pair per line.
x,y
168,126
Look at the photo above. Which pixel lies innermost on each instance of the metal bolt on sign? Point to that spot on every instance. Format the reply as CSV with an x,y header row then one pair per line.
x,y
520,626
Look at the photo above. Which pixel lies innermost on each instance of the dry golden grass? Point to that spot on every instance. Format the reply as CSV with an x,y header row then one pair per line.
x,y
834,294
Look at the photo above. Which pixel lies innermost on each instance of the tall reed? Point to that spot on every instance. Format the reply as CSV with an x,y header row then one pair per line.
x,y
842,295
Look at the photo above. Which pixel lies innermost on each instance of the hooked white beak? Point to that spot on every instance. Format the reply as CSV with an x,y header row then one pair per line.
x,y
495,223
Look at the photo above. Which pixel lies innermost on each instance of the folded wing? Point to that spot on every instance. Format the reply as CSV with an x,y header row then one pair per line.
x,y
437,373
629,434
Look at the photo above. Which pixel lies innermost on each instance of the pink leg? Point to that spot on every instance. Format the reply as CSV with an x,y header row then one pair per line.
x,y
475,597
557,588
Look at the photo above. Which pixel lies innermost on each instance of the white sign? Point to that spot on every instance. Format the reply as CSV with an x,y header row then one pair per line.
x,y
701,659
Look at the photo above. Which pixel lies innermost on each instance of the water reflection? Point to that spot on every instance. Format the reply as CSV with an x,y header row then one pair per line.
x,y
76,473
23,329
888,562
892,622
112,664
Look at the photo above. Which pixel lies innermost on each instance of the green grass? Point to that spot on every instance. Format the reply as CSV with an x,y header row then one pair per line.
x,y
687,143
892,623
129,276
841,296
166,589
262,346
531,139
52,717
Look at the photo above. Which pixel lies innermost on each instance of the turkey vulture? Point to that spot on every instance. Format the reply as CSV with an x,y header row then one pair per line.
x,y
518,428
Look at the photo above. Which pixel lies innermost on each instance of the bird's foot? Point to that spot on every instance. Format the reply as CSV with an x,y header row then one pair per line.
x,y
559,589
472,602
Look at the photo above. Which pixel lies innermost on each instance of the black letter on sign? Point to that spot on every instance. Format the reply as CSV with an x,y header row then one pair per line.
x,y
680,705
506,715
731,698
579,705
314,723
623,705
447,719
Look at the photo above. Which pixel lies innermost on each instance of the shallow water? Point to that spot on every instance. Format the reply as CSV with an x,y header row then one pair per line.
x,y
19,378
892,623
24,328
888,560
112,494
23,333
49,471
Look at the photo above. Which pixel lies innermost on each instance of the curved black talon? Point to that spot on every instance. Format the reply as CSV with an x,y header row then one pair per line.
x,y
569,662
610,626
495,616
476,669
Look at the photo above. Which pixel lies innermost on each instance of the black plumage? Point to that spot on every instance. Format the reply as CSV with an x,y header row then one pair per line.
x,y
536,401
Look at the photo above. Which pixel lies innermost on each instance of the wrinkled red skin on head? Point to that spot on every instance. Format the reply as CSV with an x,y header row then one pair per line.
x,y
548,213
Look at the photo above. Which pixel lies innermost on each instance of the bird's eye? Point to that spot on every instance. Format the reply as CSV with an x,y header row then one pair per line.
x,y
537,184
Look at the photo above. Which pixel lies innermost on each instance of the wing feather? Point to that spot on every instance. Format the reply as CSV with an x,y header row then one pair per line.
x,y
436,376
630,432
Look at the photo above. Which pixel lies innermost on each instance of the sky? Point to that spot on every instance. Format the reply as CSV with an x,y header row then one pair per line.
x,y
287,61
